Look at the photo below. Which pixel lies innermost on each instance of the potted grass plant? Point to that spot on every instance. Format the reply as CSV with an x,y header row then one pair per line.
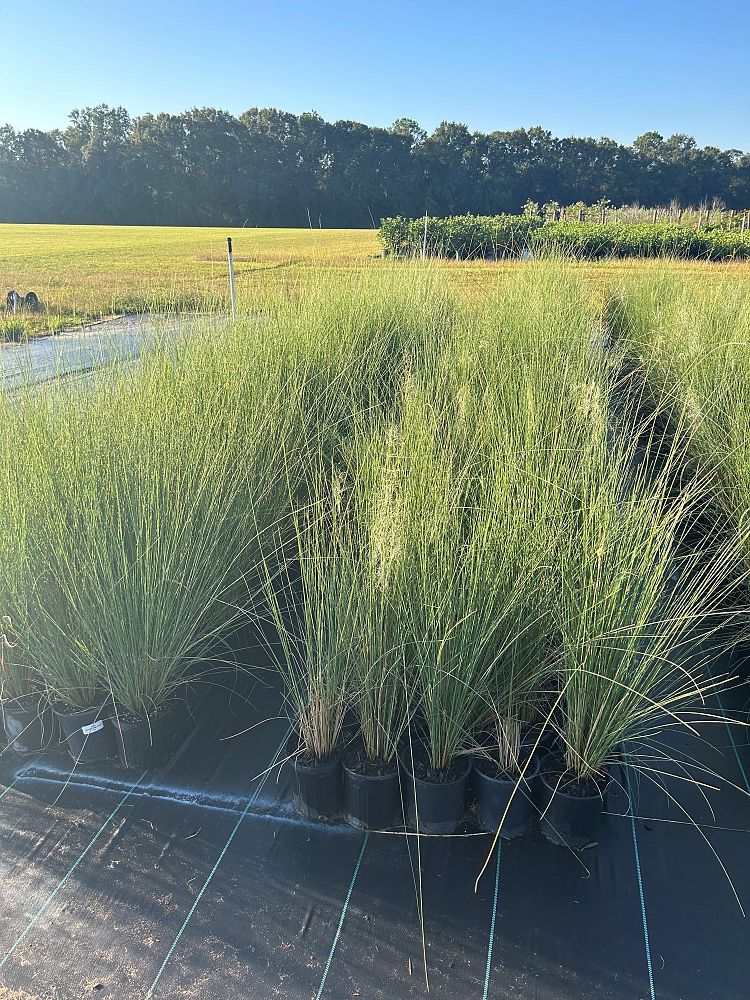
x,y
380,699
146,534
380,704
309,594
635,614
445,605
513,535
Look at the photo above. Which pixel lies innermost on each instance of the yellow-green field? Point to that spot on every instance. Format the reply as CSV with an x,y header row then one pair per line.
x,y
81,272
85,272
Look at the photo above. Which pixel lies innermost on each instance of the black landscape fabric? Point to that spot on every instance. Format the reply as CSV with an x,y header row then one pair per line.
x,y
197,881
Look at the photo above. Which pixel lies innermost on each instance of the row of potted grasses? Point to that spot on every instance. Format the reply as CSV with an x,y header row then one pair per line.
x,y
469,237
490,561
690,343
437,504
138,508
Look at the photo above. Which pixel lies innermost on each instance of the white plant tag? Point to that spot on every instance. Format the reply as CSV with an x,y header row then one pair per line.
x,y
93,728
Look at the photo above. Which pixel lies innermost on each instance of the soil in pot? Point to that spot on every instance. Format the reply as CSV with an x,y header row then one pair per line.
x,y
569,808
29,723
88,735
317,786
434,797
372,800
148,742
496,791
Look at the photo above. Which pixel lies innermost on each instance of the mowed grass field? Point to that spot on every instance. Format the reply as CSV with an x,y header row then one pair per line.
x,y
83,273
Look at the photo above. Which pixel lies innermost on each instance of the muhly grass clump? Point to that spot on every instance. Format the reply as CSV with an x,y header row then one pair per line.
x,y
311,606
339,645
485,447
149,496
635,613
692,341
382,695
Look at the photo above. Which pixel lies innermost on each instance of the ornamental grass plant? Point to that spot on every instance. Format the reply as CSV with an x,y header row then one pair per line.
x,y
491,444
636,614
148,496
332,605
692,343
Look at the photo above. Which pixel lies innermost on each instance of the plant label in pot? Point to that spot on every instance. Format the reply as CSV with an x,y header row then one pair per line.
x,y
87,735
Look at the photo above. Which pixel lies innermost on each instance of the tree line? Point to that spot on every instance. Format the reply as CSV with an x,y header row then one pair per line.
x,y
272,168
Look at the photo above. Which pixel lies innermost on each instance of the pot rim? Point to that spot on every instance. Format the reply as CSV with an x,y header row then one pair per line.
x,y
35,696
528,776
162,711
319,767
371,777
64,711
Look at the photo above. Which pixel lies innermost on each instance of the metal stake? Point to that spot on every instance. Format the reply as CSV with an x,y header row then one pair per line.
x,y
230,257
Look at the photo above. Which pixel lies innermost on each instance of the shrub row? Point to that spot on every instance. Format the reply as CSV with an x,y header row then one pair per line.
x,y
593,240
471,236
463,236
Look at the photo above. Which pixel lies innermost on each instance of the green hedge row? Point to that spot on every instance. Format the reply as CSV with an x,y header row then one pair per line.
x,y
475,236
593,240
463,236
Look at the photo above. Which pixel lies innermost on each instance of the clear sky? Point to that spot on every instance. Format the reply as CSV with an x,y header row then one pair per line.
x,y
577,67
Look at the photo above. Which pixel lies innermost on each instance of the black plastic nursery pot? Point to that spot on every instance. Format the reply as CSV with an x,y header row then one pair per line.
x,y
372,801
148,742
29,723
317,787
542,739
88,735
496,794
434,806
569,811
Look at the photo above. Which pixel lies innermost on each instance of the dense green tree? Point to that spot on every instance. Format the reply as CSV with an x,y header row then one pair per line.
x,y
273,168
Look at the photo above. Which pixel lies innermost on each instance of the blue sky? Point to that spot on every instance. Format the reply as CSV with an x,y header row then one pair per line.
x,y
573,66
